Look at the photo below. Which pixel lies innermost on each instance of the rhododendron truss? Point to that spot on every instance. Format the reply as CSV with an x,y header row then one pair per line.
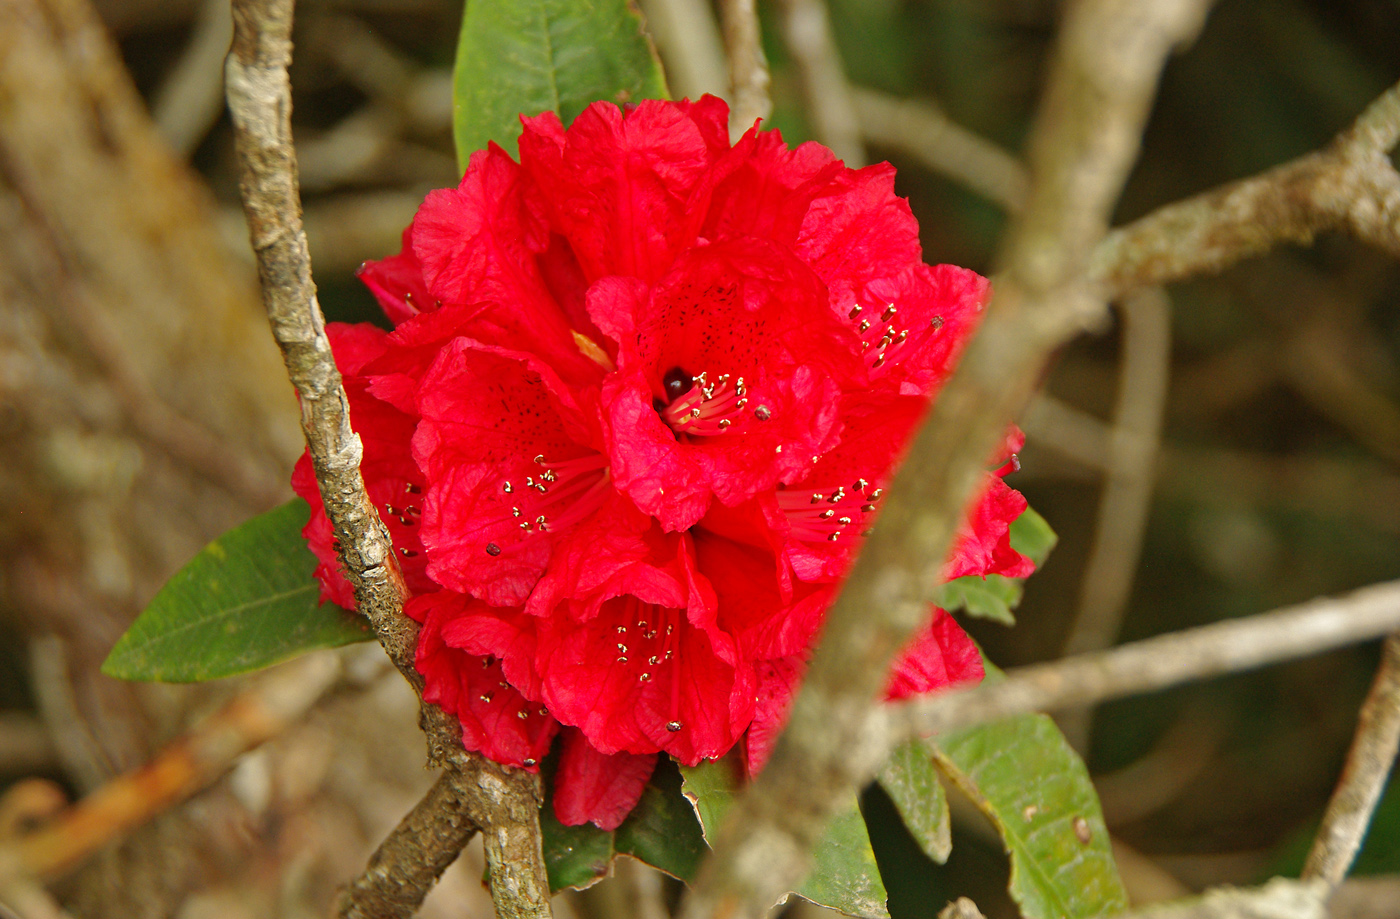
x,y
642,397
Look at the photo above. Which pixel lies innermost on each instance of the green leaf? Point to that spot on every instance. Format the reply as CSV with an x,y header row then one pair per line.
x,y
911,780
994,597
1032,537
1022,774
662,830
532,56
844,874
246,601
574,856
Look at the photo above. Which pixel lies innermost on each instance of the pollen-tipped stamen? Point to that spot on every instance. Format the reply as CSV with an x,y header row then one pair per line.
x,y
829,515
708,407
560,495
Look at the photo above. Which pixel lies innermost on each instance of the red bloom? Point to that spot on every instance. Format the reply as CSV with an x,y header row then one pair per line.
x,y
643,395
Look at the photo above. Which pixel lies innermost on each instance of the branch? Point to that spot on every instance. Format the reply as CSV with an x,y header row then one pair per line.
x,y
503,800
1350,185
1108,59
1157,663
830,107
921,130
1280,898
748,68
1363,780
409,862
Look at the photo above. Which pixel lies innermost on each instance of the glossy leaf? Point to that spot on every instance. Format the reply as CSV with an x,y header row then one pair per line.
x,y
1024,776
532,56
662,830
246,601
844,874
911,780
1032,537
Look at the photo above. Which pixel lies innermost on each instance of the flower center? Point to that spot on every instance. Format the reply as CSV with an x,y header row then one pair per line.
x,y
829,515
703,407
557,497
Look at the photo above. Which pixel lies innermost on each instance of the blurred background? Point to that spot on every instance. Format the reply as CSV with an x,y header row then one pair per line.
x,y
1220,450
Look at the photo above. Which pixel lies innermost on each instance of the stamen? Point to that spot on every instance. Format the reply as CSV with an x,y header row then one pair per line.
x,y
699,406
832,516
577,488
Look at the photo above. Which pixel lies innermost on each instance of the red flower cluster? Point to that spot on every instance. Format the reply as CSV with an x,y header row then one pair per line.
x,y
642,396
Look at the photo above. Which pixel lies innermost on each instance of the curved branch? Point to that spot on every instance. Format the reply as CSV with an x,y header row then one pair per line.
x,y
503,800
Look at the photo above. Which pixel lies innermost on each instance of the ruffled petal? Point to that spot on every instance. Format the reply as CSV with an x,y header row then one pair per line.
x,y
761,360
778,681
983,543
617,184
598,788
939,655
497,720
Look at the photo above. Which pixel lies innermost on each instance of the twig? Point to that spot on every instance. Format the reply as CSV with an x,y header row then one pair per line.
x,y
1108,59
748,68
831,109
1351,185
687,37
920,129
1363,779
1157,663
504,801
1127,492
403,869
1280,898
263,710
191,97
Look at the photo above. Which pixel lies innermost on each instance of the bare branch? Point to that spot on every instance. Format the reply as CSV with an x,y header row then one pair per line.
x,y
1363,780
1156,663
748,68
920,129
1108,59
503,800
1349,185
409,862
829,103
1280,898
1127,493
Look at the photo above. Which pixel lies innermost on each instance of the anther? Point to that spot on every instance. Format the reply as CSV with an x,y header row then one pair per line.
x,y
889,311
827,514
860,485
645,678
492,549
407,553
413,489
864,325
875,495
487,697
936,322
507,488
818,497
539,458
522,714
833,537
673,726
762,413
867,508
527,762
844,521
724,422
855,311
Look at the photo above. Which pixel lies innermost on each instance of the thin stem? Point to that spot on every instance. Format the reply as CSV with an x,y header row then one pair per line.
x,y
1157,663
1363,780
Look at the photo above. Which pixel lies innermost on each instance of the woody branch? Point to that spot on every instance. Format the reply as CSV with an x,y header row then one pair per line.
x,y
502,801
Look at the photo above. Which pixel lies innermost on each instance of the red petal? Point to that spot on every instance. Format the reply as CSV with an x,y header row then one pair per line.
x,y
778,681
397,282
983,543
597,788
939,655
618,184
496,719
